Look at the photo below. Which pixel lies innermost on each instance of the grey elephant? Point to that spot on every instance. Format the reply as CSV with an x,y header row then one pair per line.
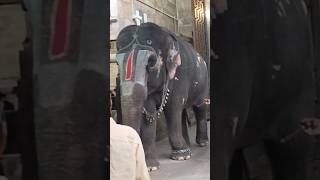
x,y
159,72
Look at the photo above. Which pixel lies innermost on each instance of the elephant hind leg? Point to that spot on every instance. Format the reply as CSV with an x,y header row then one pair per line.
x,y
202,129
184,122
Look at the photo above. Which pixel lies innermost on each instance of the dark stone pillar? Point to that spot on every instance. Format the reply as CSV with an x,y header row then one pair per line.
x,y
26,129
314,13
263,86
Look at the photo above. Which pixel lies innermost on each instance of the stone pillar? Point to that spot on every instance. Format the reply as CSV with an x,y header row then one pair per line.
x,y
314,10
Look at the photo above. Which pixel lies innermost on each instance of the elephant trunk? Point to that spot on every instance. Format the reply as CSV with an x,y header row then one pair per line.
x,y
132,102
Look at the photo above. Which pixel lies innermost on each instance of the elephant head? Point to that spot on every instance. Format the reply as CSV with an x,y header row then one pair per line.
x,y
148,57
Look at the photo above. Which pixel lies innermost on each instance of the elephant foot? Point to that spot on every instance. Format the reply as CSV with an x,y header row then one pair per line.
x,y
152,165
181,155
202,143
150,168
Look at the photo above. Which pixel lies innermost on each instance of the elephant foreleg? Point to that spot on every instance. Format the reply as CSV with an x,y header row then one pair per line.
x,y
148,138
180,149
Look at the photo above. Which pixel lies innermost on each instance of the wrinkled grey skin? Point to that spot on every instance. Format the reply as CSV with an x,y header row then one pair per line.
x,y
69,93
160,56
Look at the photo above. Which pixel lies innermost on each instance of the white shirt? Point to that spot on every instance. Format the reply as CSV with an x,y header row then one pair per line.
x,y
127,158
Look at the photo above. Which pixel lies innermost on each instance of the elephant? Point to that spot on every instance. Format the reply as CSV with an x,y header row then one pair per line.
x,y
263,87
68,59
159,72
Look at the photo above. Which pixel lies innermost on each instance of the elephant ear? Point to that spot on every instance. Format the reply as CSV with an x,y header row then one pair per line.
x,y
173,58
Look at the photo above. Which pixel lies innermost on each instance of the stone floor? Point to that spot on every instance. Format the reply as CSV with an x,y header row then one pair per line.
x,y
197,168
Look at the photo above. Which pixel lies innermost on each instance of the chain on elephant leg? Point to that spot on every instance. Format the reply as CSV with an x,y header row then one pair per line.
x,y
181,155
181,150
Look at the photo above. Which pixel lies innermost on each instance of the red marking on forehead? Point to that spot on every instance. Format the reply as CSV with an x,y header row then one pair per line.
x,y
129,67
60,28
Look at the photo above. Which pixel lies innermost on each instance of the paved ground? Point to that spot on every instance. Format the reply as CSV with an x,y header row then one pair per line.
x,y
197,168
